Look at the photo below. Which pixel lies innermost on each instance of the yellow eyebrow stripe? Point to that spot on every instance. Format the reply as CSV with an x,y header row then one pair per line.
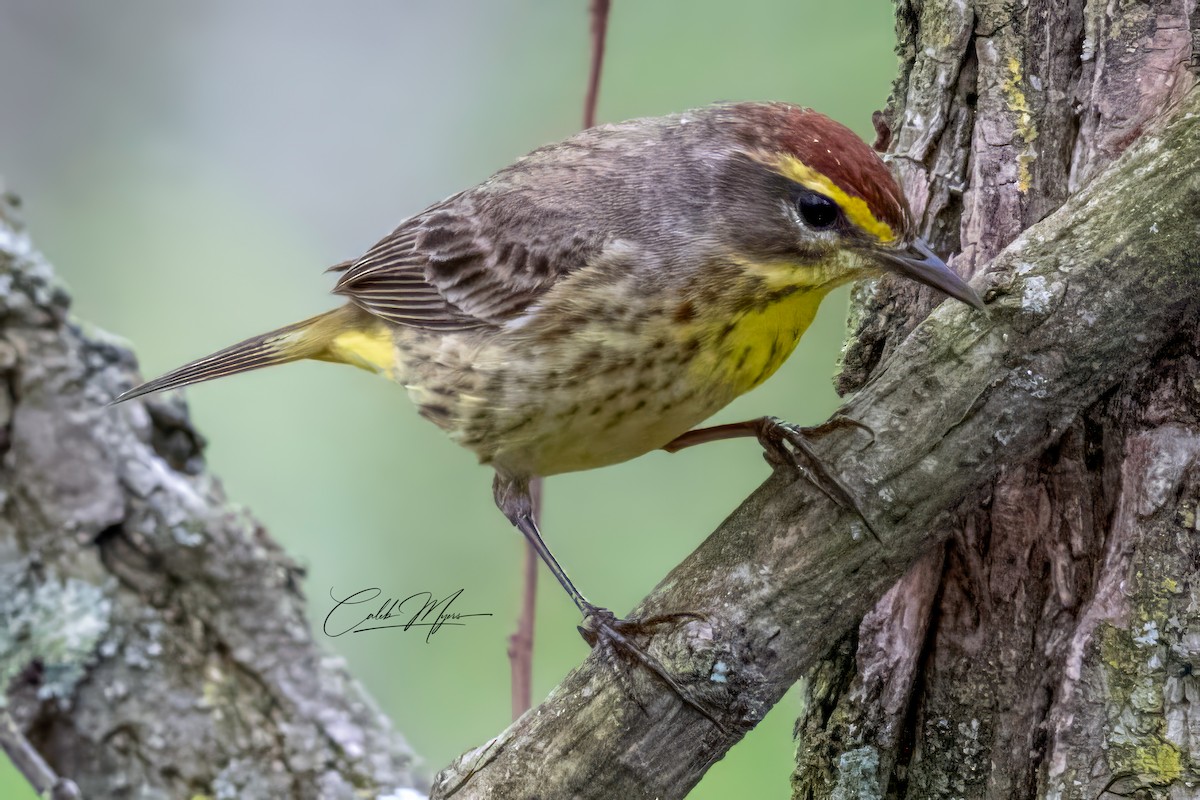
x,y
855,208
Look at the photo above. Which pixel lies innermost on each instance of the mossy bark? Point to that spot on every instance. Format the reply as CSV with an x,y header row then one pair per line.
x,y
1047,649
153,640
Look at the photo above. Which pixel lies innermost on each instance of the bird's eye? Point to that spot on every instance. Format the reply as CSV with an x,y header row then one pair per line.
x,y
817,210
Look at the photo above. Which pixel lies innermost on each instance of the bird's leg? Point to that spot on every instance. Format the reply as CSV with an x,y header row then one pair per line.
x,y
775,435
29,761
602,628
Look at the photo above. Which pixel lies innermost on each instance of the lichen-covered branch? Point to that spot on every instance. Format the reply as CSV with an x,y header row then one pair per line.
x,y
153,641
1079,302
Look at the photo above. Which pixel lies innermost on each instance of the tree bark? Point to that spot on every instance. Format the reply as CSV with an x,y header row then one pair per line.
x,y
1047,649
153,642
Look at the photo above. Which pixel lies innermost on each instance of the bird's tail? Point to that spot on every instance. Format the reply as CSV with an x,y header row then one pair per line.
x,y
317,338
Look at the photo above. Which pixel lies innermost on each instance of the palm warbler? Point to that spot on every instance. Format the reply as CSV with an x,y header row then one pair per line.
x,y
601,296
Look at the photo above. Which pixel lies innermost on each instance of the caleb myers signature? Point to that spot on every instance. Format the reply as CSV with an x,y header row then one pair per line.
x,y
419,610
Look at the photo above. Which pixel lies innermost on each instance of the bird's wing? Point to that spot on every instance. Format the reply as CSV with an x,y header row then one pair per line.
x,y
471,261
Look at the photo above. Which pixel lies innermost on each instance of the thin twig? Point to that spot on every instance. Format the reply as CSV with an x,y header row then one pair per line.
x,y
520,643
600,10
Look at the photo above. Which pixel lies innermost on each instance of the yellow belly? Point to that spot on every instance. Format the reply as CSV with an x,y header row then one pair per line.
x,y
612,416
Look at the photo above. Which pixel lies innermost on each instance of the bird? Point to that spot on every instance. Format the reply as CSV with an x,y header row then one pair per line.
x,y
603,295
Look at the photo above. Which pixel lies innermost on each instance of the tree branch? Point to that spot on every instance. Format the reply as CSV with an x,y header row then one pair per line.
x,y
1073,310
152,636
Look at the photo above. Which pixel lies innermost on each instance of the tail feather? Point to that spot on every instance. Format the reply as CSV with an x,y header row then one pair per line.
x,y
307,339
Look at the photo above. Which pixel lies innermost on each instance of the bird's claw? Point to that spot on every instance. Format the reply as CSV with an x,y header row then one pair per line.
x,y
611,634
840,420
787,446
774,435
631,627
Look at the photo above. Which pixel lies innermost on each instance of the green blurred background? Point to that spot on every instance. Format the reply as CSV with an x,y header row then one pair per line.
x,y
191,168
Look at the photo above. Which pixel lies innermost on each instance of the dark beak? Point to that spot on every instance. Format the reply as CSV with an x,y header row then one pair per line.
x,y
918,262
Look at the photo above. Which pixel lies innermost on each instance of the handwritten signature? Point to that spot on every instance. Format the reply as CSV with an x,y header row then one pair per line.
x,y
418,610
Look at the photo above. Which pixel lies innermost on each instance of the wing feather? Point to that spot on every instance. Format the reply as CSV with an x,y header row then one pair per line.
x,y
469,262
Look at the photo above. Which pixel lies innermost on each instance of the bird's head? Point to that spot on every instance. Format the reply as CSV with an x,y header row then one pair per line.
x,y
813,194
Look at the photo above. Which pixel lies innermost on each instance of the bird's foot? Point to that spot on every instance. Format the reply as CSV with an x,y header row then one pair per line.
x,y
611,634
787,446
596,617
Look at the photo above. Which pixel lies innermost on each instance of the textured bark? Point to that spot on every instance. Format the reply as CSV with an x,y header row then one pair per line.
x,y
153,642
1047,649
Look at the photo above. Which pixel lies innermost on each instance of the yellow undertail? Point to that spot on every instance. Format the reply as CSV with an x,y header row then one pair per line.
x,y
346,335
